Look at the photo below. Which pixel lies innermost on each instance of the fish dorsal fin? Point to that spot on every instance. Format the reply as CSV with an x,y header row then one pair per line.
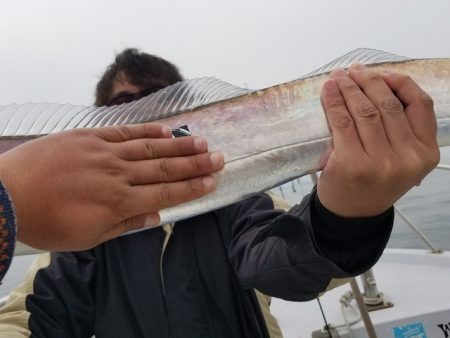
x,y
360,55
34,119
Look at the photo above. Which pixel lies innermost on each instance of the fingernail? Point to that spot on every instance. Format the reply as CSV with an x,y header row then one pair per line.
x,y
151,220
167,132
358,67
330,87
208,182
200,144
338,73
216,159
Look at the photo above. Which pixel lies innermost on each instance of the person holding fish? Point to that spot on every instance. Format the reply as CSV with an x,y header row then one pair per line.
x,y
212,275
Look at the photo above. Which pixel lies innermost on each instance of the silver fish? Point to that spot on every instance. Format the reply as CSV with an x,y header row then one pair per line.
x,y
268,136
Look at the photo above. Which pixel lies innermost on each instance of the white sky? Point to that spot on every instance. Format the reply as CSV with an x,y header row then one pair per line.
x,y
55,51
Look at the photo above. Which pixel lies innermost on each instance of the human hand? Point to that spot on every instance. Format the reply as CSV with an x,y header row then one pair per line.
x,y
73,190
384,140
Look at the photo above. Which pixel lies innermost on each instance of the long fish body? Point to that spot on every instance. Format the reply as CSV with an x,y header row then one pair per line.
x,y
267,136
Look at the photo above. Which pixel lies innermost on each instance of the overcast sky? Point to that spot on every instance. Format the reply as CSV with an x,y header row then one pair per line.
x,y
53,50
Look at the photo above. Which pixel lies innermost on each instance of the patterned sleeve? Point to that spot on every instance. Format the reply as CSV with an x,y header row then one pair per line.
x,y
7,231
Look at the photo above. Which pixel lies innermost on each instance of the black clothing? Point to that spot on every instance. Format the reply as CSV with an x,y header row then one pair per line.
x,y
202,284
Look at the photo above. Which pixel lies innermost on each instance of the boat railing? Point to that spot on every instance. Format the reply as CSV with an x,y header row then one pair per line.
x,y
443,167
425,239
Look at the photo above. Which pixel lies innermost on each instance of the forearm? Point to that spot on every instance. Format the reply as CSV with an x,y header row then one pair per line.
x,y
296,255
354,244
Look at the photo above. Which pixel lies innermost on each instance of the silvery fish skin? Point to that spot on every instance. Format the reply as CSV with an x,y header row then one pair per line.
x,y
268,136
277,134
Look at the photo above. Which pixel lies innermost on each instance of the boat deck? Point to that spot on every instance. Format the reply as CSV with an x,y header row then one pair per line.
x,y
417,282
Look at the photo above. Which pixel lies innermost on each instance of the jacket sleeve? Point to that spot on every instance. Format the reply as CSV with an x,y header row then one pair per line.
x,y
14,315
7,231
62,301
296,255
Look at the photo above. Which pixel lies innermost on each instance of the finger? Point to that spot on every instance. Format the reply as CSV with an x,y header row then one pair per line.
x,y
151,148
132,224
154,197
130,132
396,125
345,135
365,115
418,106
173,168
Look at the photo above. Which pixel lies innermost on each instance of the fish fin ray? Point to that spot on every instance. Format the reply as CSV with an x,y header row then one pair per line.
x,y
360,55
34,119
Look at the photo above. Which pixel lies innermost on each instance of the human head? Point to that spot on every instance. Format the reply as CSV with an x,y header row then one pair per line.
x,y
135,72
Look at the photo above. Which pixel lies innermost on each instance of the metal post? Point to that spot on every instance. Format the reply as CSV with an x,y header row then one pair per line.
x,y
362,309
371,294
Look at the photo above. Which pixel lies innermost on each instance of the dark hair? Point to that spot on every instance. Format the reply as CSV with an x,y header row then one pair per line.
x,y
140,69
